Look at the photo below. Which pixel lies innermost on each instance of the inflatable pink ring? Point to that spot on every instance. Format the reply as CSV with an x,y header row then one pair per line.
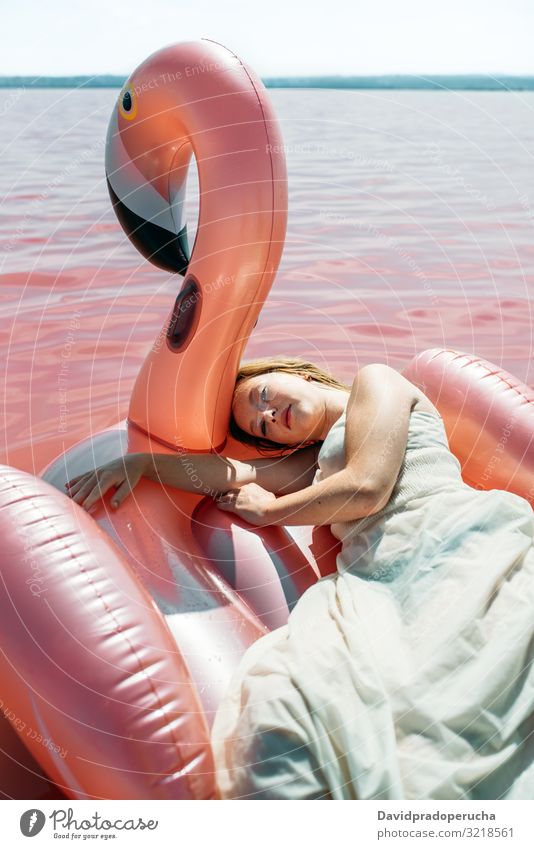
x,y
488,415
118,635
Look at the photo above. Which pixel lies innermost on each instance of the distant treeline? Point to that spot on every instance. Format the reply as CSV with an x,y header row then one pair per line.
x,y
473,82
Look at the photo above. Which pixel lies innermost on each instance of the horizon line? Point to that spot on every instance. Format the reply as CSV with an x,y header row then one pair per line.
x,y
473,81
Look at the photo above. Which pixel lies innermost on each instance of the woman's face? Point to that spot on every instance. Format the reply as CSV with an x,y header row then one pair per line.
x,y
285,408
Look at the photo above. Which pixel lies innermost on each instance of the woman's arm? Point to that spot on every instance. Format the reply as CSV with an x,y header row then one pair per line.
x,y
213,474
376,432
207,474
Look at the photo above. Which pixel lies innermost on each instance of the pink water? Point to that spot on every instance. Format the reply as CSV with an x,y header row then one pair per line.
x,y
411,224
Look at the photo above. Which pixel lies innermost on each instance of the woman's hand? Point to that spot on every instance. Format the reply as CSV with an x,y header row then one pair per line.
x,y
124,474
250,503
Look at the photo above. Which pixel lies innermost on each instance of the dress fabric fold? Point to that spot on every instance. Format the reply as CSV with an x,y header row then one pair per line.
x,y
408,673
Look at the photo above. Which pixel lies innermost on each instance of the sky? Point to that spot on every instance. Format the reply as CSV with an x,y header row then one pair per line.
x,y
275,37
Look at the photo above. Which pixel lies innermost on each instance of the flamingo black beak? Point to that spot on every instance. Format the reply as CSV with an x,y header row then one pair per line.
x,y
163,248
149,204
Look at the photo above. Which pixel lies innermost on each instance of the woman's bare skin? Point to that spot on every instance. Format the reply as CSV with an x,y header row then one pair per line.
x,y
288,409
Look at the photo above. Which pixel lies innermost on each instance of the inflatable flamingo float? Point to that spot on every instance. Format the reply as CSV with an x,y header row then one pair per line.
x,y
120,630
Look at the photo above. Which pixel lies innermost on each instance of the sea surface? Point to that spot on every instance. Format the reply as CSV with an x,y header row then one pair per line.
x,y
411,225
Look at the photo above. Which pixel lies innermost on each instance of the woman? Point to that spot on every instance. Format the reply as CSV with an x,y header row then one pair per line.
x,y
408,673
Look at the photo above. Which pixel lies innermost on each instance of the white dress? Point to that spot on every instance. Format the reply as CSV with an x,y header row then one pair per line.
x,y
408,673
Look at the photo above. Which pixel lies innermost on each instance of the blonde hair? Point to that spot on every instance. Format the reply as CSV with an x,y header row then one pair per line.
x,y
287,365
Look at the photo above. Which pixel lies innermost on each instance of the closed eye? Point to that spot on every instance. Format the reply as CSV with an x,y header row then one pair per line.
x,y
264,399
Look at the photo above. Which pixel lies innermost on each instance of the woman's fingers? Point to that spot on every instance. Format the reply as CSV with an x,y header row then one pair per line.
x,y
226,500
123,491
85,488
89,490
124,474
133,476
80,489
72,490
76,479
98,491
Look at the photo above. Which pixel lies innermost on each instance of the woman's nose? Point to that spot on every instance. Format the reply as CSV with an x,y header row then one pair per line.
x,y
269,413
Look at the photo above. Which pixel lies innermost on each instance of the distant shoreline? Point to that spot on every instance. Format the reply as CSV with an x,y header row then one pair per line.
x,y
435,82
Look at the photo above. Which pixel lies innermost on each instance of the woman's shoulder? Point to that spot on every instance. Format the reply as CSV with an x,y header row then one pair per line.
x,y
418,400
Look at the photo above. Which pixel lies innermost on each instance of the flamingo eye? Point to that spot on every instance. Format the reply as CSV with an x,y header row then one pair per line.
x,y
128,103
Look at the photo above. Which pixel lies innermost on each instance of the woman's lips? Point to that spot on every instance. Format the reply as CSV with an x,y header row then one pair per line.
x,y
287,417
